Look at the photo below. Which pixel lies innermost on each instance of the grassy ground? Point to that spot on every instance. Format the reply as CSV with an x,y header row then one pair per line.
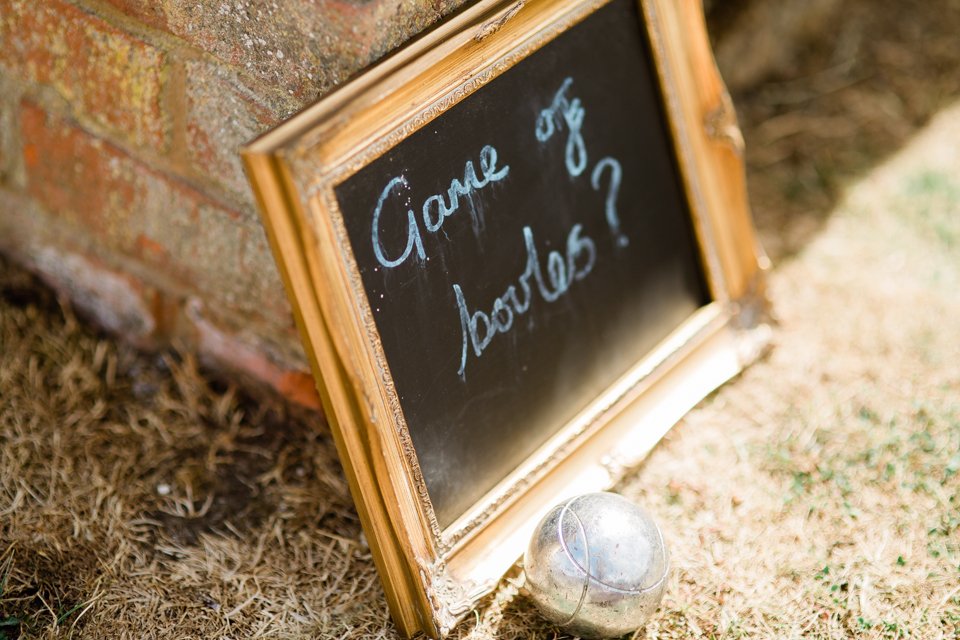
x,y
816,496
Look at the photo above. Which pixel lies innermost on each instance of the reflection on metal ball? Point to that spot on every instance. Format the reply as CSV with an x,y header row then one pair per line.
x,y
597,565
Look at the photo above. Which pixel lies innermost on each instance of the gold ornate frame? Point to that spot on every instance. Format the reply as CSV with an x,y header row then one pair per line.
x,y
432,577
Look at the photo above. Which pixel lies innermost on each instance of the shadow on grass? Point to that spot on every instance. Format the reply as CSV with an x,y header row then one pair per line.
x,y
854,96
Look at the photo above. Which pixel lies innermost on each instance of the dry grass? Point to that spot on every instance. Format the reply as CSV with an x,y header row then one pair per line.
x,y
819,495
816,496
139,500
879,70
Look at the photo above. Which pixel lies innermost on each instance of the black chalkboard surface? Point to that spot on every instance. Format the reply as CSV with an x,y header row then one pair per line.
x,y
524,249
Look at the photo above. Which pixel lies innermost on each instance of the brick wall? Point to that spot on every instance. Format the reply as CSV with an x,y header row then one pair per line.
x,y
120,180
120,122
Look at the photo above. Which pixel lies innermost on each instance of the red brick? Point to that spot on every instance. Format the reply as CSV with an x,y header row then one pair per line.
x,y
249,358
300,387
147,313
72,173
222,115
264,284
108,77
8,115
135,209
116,301
150,12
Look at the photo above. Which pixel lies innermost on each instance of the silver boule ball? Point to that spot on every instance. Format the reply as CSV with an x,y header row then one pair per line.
x,y
597,566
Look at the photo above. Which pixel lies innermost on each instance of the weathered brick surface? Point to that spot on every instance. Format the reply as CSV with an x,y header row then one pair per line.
x,y
115,299
119,140
8,138
108,77
222,115
151,12
139,211
118,302
249,358
304,47
264,288
73,174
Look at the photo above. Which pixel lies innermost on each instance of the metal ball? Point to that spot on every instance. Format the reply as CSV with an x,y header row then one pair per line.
x,y
597,566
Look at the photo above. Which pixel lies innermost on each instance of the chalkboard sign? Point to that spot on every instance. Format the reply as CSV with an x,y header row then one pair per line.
x,y
518,251
523,250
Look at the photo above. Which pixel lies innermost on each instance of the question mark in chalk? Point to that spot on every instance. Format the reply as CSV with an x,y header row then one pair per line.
x,y
616,174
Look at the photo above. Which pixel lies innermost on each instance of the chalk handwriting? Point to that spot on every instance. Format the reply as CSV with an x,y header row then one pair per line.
x,y
479,327
570,112
435,209
616,174
551,279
